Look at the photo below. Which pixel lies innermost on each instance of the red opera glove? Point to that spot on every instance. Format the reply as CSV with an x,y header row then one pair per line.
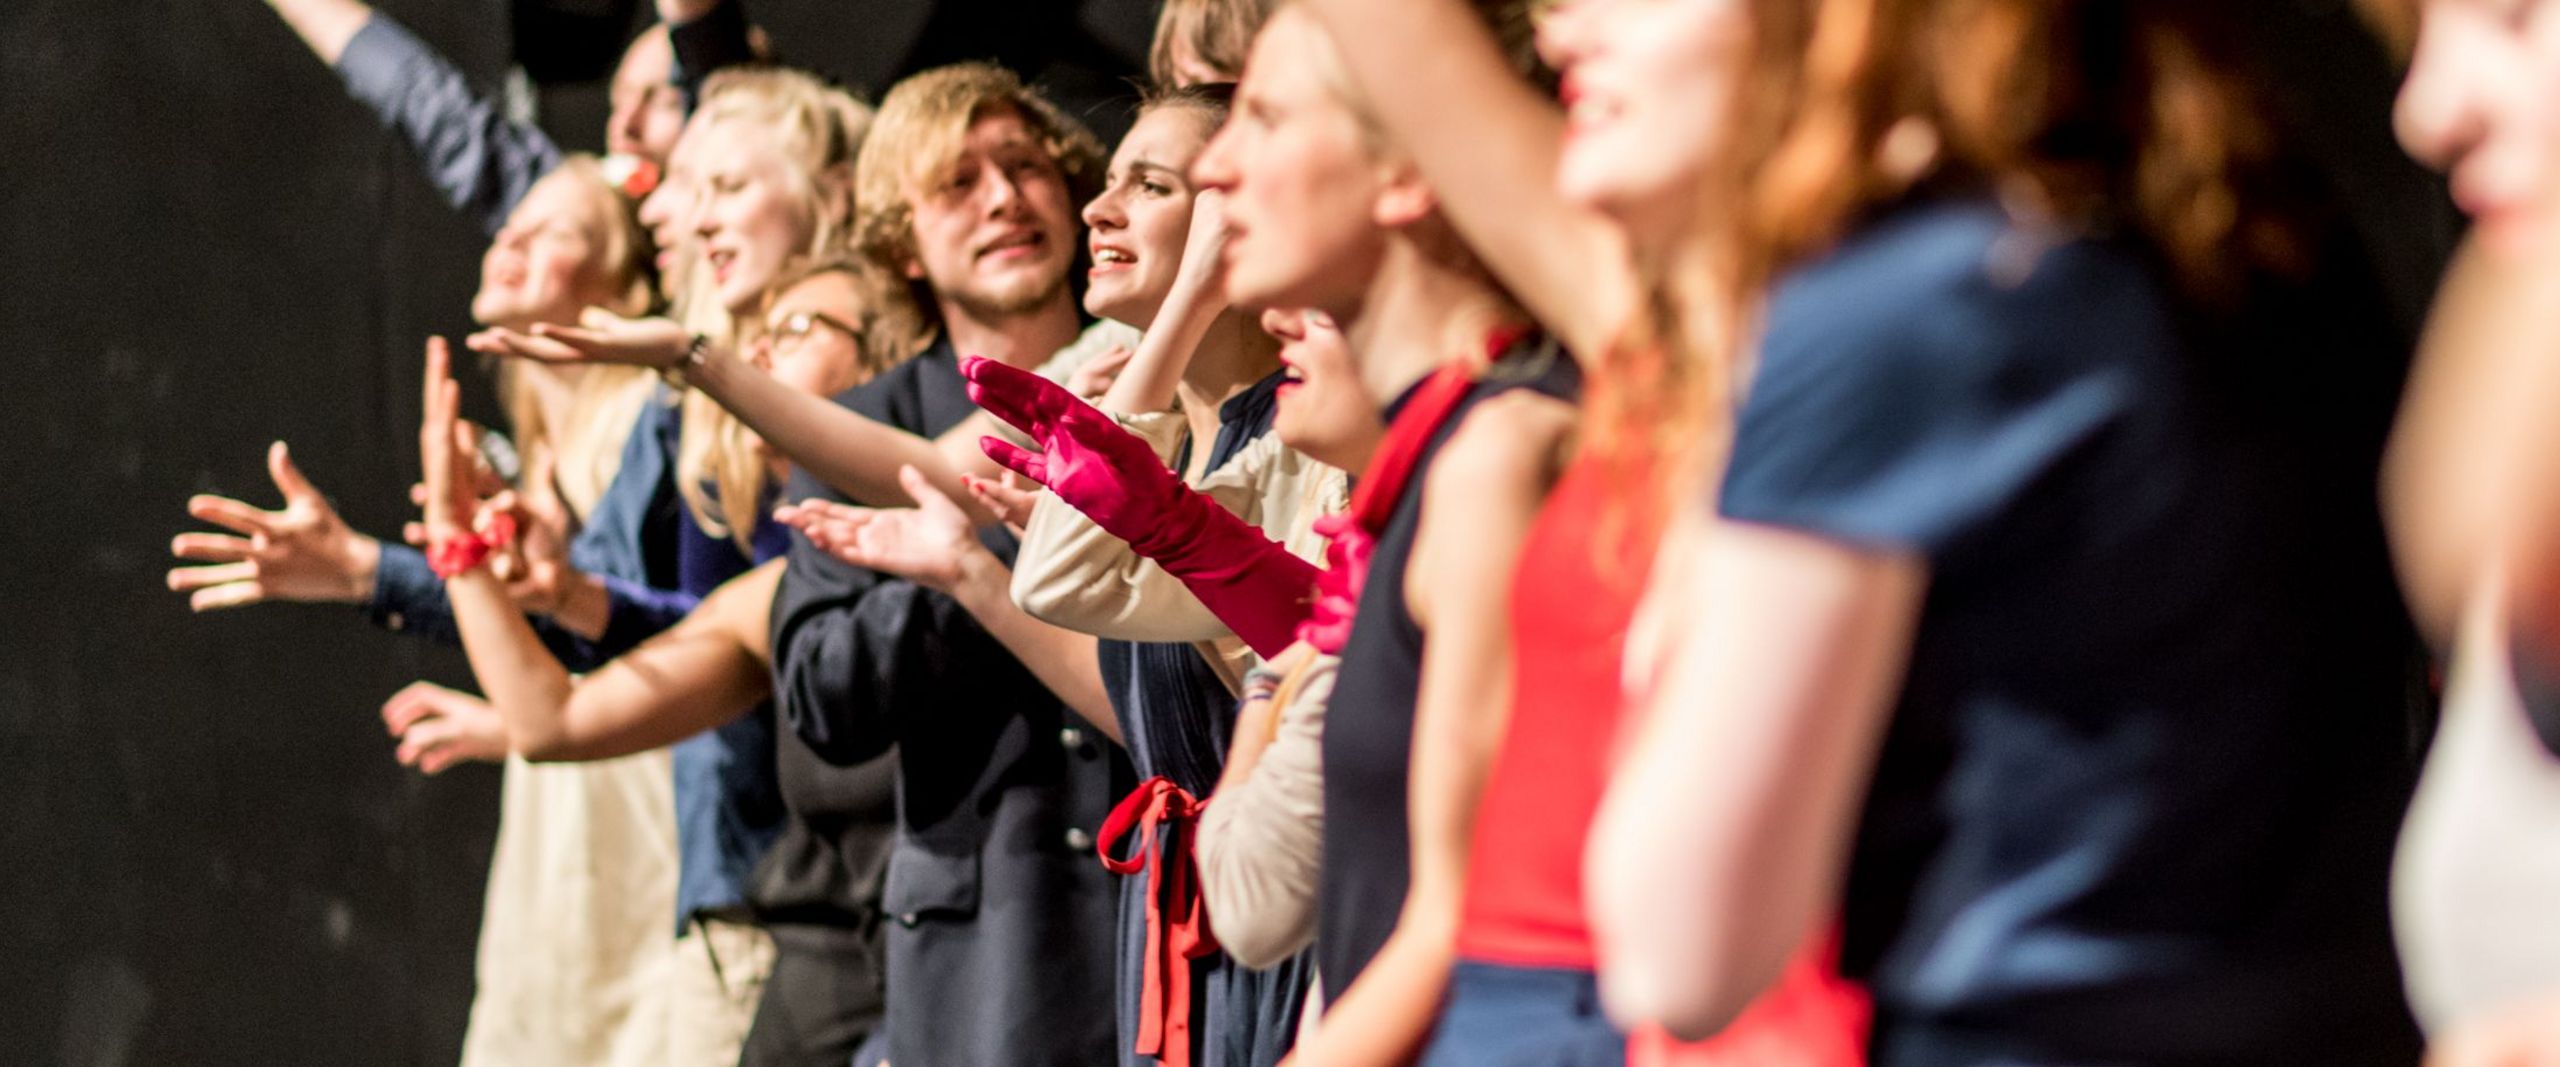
x,y
1248,581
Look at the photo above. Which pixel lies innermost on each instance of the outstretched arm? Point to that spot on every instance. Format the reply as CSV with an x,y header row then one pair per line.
x,y
933,546
704,672
1488,143
481,160
856,455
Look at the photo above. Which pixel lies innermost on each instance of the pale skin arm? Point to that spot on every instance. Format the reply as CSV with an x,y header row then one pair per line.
x,y
1485,490
856,455
325,25
1488,145
1190,308
705,671
300,552
931,545
1722,841
2472,478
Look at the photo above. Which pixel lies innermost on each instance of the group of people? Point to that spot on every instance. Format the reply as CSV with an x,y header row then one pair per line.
x,y
1684,532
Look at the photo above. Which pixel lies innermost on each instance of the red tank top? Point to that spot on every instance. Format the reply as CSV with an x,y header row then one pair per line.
x,y
1581,571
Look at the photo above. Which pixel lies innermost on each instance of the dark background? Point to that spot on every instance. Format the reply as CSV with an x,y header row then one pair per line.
x,y
207,855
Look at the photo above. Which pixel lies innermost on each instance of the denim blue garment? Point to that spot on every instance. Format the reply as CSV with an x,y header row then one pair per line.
x,y
481,160
1500,1016
728,794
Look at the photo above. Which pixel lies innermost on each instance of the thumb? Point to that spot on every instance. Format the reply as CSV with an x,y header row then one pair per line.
x,y
1017,459
288,478
933,502
596,318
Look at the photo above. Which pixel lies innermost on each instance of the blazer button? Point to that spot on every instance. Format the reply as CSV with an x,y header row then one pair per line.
x,y
396,621
1078,839
908,920
1071,738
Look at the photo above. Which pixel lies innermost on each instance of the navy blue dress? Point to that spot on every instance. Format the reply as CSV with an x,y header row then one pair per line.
x,y
1176,717
2137,798
1368,728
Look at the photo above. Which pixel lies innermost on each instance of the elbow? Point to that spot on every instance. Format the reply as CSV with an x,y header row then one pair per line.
x,y
545,749
1691,995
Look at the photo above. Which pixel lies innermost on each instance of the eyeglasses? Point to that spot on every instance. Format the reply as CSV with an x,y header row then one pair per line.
x,y
800,324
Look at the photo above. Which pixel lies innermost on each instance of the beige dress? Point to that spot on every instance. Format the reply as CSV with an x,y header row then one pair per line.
x,y
578,927
2476,884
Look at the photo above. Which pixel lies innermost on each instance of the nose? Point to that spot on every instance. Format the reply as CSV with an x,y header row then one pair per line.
x,y
1215,168
1003,193
1103,212
2437,116
1283,323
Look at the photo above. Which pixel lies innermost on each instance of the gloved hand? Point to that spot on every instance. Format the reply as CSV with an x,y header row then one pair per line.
x,y
1244,578
1346,569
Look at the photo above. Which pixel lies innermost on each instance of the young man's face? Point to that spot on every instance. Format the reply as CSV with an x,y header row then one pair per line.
x,y
995,233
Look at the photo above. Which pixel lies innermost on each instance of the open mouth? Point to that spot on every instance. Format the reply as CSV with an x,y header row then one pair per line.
x,y
722,262
1014,246
1110,258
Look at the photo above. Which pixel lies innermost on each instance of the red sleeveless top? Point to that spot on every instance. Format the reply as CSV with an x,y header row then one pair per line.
x,y
1581,573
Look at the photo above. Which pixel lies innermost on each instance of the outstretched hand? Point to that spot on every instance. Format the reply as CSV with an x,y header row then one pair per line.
x,y
600,337
931,544
1093,464
1009,497
439,727
302,552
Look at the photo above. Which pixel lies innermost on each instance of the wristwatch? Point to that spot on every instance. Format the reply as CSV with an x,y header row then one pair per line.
x,y
694,355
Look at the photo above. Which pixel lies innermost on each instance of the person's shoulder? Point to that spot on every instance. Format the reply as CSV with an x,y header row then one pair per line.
x,y
1961,283
896,396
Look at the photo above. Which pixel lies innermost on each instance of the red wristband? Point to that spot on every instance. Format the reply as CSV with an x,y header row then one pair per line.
x,y
458,554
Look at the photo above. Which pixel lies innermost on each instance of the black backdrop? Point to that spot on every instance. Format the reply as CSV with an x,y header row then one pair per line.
x,y
207,855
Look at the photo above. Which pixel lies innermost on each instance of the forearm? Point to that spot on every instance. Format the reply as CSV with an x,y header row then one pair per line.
x,y
324,25
700,674
482,161
1488,142
1147,383
1064,660
706,35
856,455
1385,1018
522,680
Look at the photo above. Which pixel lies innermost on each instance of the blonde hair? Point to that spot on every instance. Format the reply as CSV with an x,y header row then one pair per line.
x,y
917,138
587,447
719,470
1219,32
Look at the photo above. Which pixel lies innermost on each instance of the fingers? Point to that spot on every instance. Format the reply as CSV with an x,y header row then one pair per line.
x,y
1008,394
210,548
229,514
414,701
288,478
928,497
413,534
1010,505
190,579
231,595
1015,458
500,341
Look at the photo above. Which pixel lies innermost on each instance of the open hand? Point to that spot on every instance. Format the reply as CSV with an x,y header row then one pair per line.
x,y
303,552
930,544
1095,376
439,727
1008,496
600,337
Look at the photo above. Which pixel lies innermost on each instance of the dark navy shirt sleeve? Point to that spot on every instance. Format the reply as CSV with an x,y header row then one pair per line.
x,y
704,45
1896,415
481,160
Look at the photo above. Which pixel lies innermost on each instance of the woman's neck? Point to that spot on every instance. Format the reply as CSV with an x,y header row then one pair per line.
x,y
1422,309
1231,356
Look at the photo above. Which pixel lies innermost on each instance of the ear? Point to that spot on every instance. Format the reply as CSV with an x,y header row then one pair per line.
x,y
1403,198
